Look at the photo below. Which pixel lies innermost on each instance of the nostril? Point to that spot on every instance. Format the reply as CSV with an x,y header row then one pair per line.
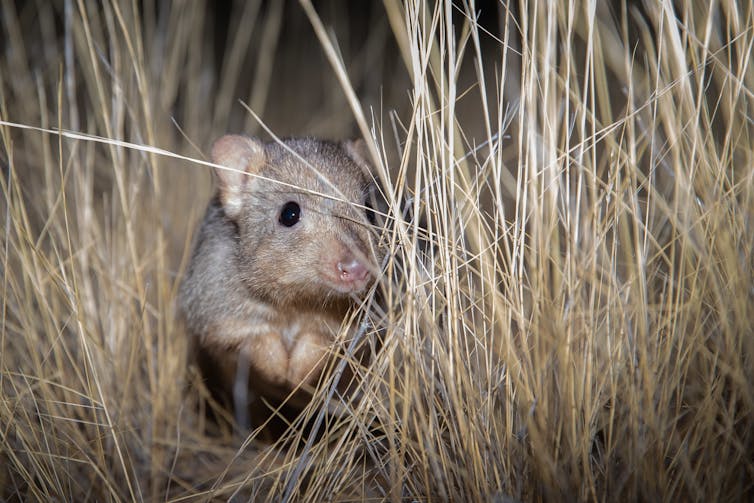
x,y
352,270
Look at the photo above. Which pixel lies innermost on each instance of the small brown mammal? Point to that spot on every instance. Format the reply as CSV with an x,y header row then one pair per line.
x,y
284,248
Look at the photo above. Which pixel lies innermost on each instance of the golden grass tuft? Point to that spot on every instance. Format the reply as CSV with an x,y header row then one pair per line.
x,y
566,317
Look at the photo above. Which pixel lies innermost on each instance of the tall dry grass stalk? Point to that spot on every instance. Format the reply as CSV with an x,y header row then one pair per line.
x,y
566,316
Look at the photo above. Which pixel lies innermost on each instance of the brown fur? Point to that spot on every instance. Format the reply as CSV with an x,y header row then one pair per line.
x,y
268,293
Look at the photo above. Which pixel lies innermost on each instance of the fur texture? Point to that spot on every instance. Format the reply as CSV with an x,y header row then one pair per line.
x,y
273,296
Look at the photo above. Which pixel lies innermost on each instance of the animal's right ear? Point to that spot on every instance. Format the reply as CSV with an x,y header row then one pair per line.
x,y
241,156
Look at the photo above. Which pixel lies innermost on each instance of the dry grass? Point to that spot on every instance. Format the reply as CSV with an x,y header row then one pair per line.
x,y
570,321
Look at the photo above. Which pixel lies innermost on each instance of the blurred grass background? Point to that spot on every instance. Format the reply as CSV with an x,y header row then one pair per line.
x,y
578,328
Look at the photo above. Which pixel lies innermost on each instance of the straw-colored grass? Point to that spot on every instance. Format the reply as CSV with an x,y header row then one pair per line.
x,y
568,316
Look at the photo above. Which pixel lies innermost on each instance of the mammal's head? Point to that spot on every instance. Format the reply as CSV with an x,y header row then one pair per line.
x,y
303,210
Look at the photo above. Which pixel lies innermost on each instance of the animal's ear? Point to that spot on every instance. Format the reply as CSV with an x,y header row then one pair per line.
x,y
358,151
375,200
241,156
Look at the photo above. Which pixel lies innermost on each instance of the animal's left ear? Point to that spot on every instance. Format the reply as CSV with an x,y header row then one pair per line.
x,y
358,151
375,200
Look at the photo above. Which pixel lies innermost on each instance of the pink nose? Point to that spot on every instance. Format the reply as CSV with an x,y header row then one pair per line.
x,y
352,271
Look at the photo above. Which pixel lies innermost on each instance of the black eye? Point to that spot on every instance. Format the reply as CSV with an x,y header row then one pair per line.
x,y
290,214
